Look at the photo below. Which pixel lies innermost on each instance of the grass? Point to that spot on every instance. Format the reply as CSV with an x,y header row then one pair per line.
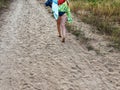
x,y
3,3
104,14
77,32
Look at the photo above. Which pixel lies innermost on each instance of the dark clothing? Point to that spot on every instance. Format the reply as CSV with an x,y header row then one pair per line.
x,y
61,13
48,3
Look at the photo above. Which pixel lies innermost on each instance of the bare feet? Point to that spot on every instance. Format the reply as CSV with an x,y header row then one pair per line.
x,y
63,40
59,36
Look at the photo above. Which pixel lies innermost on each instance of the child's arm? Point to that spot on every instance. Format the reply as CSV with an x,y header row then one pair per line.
x,y
69,17
68,12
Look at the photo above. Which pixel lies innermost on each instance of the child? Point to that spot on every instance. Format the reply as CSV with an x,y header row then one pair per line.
x,y
62,14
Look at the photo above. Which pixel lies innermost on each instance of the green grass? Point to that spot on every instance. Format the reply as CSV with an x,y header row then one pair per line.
x,y
104,14
3,3
77,32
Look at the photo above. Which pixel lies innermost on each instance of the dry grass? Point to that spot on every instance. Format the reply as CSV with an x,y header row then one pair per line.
x,y
104,14
3,3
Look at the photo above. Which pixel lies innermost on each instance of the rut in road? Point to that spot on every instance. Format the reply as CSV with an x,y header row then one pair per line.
x,y
32,57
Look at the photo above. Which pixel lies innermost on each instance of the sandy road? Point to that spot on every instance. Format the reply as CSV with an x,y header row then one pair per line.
x,y
32,57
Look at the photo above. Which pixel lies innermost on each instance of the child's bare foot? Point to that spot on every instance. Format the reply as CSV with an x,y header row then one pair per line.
x,y
59,36
63,40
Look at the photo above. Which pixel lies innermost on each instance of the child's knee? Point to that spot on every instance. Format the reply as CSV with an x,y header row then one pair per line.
x,y
62,25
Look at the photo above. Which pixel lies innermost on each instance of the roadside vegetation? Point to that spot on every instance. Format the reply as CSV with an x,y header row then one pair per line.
x,y
103,14
4,3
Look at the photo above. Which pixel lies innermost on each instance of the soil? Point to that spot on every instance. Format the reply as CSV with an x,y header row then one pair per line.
x,y
32,56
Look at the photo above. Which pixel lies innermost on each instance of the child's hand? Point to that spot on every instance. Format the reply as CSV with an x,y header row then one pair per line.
x,y
69,20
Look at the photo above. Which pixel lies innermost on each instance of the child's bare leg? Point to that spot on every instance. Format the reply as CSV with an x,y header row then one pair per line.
x,y
58,26
63,28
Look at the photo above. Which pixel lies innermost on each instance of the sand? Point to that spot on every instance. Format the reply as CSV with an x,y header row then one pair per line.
x,y
32,56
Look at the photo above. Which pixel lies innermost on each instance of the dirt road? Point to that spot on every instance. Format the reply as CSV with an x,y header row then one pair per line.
x,y
32,57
